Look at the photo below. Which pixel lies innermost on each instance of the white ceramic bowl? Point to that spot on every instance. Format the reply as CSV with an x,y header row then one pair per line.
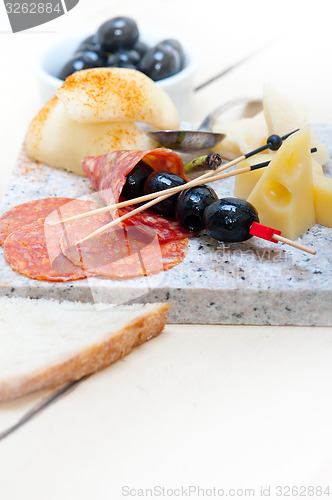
x,y
179,87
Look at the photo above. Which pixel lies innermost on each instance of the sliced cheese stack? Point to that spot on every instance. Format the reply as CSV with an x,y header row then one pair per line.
x,y
283,116
321,185
95,112
279,116
283,196
242,135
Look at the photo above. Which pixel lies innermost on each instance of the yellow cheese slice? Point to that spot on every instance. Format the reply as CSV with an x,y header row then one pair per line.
x,y
322,186
245,183
317,168
242,135
280,114
283,196
283,116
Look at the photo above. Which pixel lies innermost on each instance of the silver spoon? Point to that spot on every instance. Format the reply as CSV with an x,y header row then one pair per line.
x,y
202,139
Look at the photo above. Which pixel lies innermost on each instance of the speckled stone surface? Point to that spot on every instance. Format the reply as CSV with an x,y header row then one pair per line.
x,y
253,282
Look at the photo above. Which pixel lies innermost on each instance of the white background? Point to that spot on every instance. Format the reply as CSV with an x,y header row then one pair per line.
x,y
239,407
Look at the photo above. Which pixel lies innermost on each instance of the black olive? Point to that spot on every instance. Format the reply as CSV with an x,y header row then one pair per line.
x,y
136,179
191,204
141,47
91,54
159,181
171,43
93,43
81,60
230,219
90,43
119,32
160,62
124,59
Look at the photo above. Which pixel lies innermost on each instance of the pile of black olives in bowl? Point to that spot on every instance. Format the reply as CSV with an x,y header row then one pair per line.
x,y
197,208
117,44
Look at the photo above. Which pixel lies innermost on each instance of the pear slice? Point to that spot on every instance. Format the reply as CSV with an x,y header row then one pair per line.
x,y
101,95
283,196
53,138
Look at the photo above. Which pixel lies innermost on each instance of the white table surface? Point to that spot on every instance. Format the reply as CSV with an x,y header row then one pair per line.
x,y
207,406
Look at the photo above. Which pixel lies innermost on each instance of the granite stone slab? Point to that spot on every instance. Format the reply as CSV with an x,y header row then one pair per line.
x,y
254,282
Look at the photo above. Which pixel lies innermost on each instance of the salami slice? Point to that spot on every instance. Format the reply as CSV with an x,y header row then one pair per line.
x,y
48,252
34,250
171,253
107,173
26,213
165,229
124,252
27,252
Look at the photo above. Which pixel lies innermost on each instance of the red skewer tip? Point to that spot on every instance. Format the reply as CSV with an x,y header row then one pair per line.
x,y
264,232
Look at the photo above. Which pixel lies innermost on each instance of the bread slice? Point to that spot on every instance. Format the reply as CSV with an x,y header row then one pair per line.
x,y
45,343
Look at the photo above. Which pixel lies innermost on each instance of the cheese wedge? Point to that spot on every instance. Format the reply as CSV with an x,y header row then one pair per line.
x,y
283,116
322,186
280,114
241,136
245,183
283,196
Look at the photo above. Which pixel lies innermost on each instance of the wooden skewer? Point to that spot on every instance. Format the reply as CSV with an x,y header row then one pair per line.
x,y
158,194
195,182
294,244
115,222
198,181
208,177
154,201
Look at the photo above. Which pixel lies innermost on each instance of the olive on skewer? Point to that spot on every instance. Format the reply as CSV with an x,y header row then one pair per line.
x,y
226,219
196,208
160,181
230,219
134,185
240,226
190,206
273,142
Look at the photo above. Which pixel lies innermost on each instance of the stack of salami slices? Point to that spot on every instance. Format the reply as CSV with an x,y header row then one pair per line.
x,y
145,244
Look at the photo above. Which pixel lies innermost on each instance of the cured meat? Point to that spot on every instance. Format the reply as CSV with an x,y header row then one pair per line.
x,y
165,229
107,173
34,250
27,252
48,252
124,252
173,252
26,213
